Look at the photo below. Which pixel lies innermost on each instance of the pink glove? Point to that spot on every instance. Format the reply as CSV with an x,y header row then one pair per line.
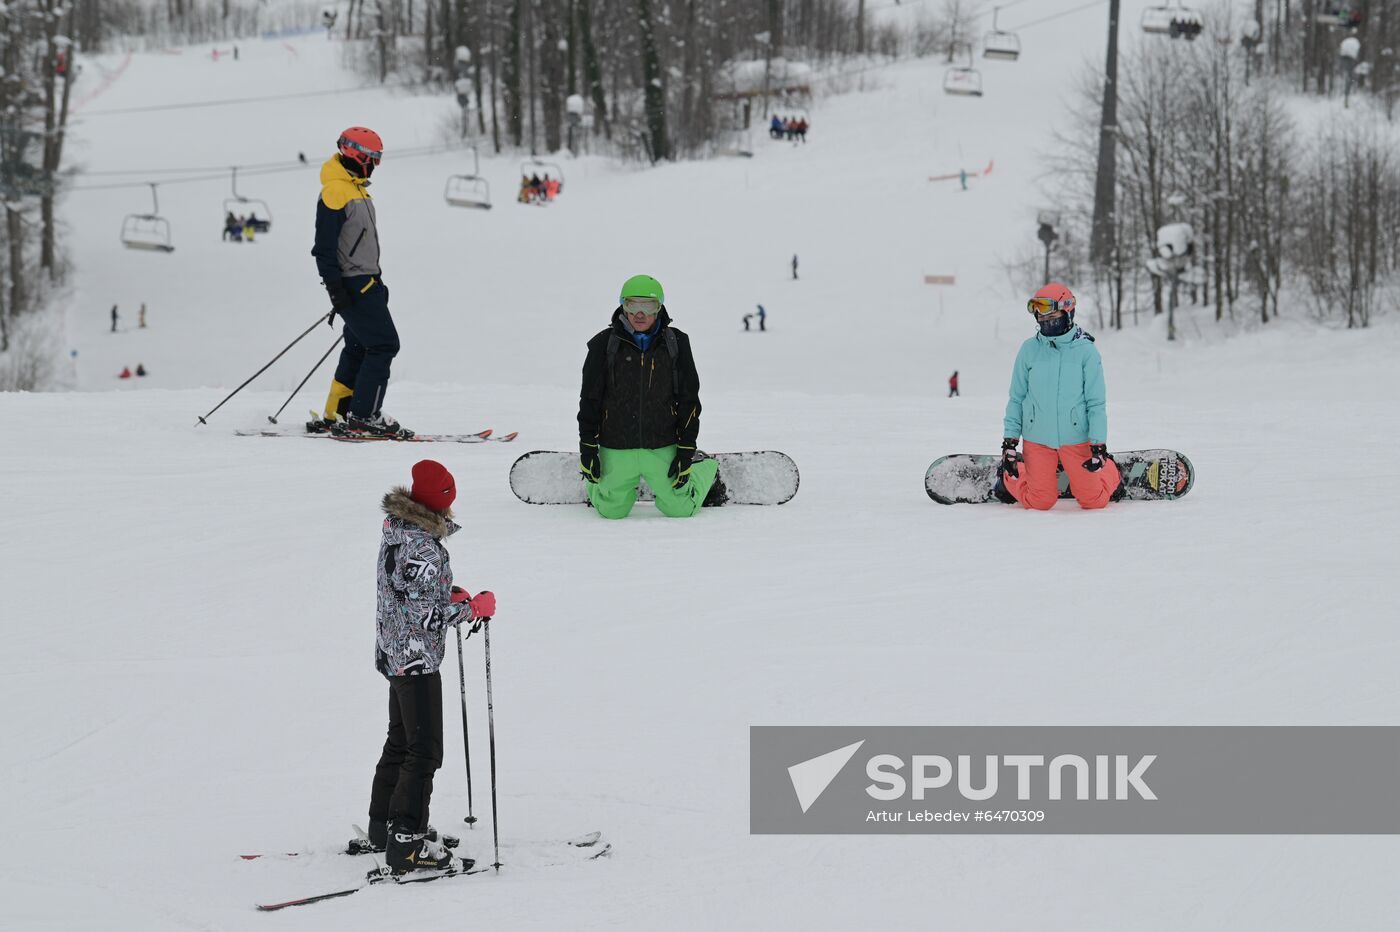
x,y
484,605
460,595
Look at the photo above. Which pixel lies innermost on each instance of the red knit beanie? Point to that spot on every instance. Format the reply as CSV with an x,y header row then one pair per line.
x,y
433,485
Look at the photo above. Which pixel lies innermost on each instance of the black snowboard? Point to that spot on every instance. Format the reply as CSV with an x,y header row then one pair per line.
x,y
549,477
968,478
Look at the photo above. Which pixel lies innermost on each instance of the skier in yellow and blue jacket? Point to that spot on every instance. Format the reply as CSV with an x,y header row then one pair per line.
x,y
347,258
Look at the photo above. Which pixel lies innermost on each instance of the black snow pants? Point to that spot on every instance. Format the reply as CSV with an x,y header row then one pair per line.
x,y
403,780
371,343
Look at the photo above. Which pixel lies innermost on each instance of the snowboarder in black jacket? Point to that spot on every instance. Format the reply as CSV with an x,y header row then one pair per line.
x,y
639,411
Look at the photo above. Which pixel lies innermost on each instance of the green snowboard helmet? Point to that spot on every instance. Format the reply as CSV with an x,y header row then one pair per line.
x,y
642,286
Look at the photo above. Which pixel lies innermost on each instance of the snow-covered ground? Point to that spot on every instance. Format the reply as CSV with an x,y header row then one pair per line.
x,y
190,613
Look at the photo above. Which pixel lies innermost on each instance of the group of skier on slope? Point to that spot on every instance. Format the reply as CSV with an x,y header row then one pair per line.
x,y
638,418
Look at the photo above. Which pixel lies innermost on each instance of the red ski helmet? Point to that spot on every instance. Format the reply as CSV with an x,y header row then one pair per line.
x,y
361,145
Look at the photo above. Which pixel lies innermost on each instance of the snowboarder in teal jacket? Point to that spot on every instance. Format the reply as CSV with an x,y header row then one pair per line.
x,y
1057,403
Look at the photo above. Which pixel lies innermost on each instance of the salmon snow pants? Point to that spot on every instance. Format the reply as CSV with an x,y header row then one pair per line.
x,y
1038,486
616,490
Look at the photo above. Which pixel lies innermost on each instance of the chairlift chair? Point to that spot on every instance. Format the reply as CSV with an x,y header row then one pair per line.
x,y
736,142
469,190
1157,20
147,231
545,170
963,81
999,44
1187,24
239,205
1338,14
1176,21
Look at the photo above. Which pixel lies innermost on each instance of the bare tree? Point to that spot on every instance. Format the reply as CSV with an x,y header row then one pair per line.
x,y
653,85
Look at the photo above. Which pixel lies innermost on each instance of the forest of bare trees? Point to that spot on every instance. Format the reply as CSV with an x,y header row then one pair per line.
x,y
1300,201
36,63
654,77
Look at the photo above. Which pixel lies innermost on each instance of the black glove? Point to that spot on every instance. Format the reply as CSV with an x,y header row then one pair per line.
x,y
680,466
1097,454
588,462
340,299
1011,458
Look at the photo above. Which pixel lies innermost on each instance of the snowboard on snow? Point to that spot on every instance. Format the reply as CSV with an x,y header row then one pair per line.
x,y
968,478
550,477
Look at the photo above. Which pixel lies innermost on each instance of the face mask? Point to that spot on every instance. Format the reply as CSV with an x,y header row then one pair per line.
x,y
1056,326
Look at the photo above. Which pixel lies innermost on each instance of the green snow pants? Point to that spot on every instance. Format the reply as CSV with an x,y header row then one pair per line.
x,y
616,490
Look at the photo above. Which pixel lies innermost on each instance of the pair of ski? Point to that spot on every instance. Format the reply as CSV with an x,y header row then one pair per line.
x,y
481,436
592,840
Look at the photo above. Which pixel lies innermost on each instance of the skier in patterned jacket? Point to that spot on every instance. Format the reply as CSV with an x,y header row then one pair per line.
x,y
1058,403
416,604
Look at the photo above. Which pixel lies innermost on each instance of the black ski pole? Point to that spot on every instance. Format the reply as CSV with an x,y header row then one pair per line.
x,y
491,731
265,368
319,363
466,744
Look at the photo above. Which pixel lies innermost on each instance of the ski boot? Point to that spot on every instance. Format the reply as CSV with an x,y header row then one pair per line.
x,y
378,838
377,425
322,425
409,850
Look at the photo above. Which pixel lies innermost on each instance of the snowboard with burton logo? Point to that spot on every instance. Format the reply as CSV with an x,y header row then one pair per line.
x,y
551,477
968,478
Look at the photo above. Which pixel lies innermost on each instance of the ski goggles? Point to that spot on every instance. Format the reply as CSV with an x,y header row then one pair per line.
x,y
647,306
1045,307
373,155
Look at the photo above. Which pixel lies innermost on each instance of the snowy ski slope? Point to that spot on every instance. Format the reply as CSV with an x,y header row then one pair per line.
x,y
189,614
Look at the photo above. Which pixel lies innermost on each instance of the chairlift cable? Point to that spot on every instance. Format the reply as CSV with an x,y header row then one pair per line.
x,y
1060,15
197,104
185,171
250,167
275,168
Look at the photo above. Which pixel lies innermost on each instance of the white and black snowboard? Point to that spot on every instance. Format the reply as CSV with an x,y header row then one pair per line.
x,y
551,477
967,478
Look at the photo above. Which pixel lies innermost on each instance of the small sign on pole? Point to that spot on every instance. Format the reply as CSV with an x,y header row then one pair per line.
x,y
938,280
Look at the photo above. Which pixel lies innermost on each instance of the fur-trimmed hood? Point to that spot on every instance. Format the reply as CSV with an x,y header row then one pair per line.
x,y
398,503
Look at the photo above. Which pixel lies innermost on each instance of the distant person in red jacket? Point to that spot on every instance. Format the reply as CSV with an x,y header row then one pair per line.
x,y
953,384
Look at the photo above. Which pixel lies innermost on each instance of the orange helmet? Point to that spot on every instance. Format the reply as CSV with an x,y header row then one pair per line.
x,y
361,146
1051,298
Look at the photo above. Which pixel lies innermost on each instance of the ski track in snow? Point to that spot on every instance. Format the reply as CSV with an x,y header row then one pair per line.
x,y
190,614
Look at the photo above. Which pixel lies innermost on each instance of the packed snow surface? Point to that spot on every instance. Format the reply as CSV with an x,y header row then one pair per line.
x,y
189,614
